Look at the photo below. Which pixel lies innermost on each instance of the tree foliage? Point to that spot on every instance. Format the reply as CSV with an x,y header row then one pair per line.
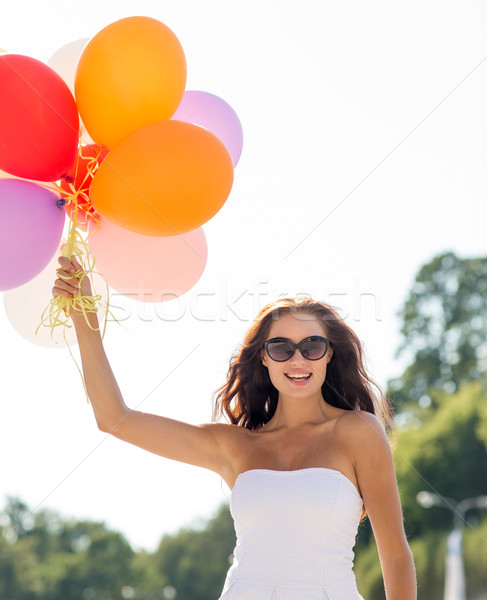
x,y
196,562
43,557
441,443
446,454
444,328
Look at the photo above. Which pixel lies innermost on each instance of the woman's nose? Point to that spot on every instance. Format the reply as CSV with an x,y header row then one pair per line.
x,y
297,357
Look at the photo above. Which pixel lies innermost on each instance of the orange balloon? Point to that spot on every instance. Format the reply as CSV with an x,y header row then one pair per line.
x,y
132,73
165,178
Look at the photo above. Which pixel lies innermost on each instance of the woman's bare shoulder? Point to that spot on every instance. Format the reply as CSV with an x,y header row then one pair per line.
x,y
359,426
363,439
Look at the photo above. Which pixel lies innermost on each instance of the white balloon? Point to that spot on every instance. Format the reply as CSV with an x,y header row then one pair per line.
x,y
65,61
25,304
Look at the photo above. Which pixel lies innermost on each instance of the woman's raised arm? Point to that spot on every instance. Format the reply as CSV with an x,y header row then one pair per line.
x,y
200,445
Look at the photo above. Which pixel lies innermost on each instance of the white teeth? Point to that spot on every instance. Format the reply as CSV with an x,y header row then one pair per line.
x,y
299,376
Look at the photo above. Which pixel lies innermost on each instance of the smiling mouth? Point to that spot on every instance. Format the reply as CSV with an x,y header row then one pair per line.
x,y
298,377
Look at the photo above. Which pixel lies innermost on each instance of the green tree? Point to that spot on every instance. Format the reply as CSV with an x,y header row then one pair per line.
x,y
446,454
429,557
45,557
444,328
98,560
196,561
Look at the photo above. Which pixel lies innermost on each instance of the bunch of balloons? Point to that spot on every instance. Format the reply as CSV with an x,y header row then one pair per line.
x,y
148,163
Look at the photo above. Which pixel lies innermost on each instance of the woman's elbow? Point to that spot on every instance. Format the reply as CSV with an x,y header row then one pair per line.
x,y
111,423
103,426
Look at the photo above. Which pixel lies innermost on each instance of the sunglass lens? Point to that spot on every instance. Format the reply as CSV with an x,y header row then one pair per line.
x,y
280,351
314,348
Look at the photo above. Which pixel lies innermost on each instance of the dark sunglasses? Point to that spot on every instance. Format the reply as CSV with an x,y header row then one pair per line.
x,y
311,348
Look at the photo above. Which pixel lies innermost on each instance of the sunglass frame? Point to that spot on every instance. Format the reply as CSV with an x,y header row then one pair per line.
x,y
296,346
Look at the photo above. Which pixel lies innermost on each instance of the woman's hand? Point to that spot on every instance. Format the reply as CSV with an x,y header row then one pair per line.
x,y
67,286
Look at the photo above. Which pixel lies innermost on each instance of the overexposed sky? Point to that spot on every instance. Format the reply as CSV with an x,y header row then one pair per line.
x,y
365,154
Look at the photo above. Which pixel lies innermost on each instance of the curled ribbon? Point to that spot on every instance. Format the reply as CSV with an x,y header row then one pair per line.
x,y
56,314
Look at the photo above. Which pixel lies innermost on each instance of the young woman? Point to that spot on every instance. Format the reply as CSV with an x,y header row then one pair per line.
x,y
305,453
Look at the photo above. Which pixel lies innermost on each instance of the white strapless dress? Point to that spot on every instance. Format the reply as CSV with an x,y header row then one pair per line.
x,y
295,536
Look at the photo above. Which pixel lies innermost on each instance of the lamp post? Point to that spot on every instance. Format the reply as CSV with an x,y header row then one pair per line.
x,y
454,571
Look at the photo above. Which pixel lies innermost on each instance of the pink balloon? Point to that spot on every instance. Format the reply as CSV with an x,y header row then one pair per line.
x,y
31,225
215,115
148,268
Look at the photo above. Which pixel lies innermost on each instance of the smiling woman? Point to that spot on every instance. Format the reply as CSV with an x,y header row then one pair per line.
x,y
299,386
249,397
305,452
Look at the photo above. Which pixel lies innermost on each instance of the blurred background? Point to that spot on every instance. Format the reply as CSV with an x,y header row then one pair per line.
x,y
362,182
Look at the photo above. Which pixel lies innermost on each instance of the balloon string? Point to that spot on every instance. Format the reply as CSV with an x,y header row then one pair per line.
x,y
72,198
59,308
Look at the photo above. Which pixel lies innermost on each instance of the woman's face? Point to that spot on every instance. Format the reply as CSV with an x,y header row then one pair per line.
x,y
287,377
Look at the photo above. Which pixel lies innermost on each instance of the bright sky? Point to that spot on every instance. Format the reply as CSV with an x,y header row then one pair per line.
x,y
365,155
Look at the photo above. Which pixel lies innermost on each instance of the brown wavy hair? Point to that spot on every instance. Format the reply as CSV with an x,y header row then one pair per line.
x,y
248,397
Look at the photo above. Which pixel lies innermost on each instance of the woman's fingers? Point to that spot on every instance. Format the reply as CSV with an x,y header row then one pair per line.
x,y
70,265
68,281
60,290
66,264
76,263
67,285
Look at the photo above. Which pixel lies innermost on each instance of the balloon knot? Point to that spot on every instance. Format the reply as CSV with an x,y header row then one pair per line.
x,y
69,179
61,202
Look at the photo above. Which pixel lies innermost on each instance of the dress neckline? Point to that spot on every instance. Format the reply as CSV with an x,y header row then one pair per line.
x,y
292,471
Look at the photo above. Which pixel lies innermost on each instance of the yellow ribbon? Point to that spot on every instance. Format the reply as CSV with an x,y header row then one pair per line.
x,y
59,308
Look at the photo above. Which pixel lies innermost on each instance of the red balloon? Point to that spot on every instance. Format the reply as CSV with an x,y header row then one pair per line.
x,y
39,123
80,178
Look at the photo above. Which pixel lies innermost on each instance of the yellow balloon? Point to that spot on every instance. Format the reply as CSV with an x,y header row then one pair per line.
x,y
132,73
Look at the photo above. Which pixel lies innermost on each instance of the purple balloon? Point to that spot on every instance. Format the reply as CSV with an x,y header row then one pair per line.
x,y
216,115
31,225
